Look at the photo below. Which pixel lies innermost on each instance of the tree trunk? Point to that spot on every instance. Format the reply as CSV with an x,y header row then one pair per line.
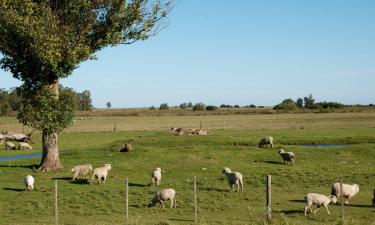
x,y
50,156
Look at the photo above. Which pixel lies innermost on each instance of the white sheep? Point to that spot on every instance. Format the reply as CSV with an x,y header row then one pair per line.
x,y
164,195
24,146
29,182
265,141
156,177
318,200
101,173
348,191
234,178
10,146
81,170
287,156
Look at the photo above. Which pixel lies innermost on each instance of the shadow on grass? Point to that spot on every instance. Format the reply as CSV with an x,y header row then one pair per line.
x,y
292,211
214,189
76,181
181,220
20,166
15,189
359,206
137,185
297,200
272,162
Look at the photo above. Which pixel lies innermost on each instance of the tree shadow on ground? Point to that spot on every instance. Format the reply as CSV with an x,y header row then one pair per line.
x,y
271,162
32,167
359,206
181,220
214,189
15,189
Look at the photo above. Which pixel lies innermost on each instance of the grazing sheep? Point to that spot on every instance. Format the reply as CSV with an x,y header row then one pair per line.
x,y
101,173
127,148
265,141
156,176
10,146
81,170
234,178
348,191
164,195
29,182
287,156
319,200
24,146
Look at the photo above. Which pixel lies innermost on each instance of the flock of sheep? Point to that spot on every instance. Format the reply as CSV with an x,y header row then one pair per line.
x,y
234,179
21,146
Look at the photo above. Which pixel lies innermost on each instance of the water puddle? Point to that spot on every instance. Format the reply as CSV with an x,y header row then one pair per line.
x,y
23,156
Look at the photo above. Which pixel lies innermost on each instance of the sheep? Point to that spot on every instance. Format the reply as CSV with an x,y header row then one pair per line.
x,y
29,182
265,141
164,195
156,177
101,173
24,145
10,146
127,148
234,178
319,200
348,191
81,170
287,156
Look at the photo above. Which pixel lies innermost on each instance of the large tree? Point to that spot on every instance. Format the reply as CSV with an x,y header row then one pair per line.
x,y
42,41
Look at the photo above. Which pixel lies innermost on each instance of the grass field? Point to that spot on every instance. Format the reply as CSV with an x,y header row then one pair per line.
x,y
182,157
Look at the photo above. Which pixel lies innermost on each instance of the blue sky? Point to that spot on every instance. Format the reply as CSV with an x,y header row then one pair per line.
x,y
240,52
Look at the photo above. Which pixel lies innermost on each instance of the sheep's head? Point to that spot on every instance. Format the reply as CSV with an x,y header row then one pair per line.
x,y
281,151
356,188
108,166
226,170
333,199
158,169
152,202
90,167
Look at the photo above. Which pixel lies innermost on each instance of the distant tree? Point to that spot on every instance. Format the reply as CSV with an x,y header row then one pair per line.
x,y
328,105
109,105
299,102
199,106
152,107
86,102
309,102
43,41
190,105
4,102
164,106
211,107
252,106
236,106
225,106
184,105
287,104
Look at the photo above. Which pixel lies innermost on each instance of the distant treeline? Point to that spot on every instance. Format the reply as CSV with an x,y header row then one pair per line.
x,y
201,106
10,99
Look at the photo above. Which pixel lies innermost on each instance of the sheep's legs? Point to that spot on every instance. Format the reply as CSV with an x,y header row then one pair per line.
x,y
162,204
171,203
317,209
327,209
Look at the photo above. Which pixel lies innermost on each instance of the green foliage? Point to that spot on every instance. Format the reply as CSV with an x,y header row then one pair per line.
x,y
309,102
109,105
199,106
183,105
299,102
225,106
211,107
328,105
164,106
43,111
287,104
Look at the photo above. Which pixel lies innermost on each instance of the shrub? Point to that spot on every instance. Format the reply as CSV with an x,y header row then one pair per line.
x,y
164,106
199,106
287,104
211,107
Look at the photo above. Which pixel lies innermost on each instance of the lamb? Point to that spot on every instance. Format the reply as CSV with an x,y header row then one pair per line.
x,y
265,141
29,182
348,191
164,195
234,178
81,170
24,146
156,177
287,156
10,146
101,173
319,200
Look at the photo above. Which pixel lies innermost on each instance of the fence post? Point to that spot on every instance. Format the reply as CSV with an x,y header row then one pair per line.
x,y
126,200
56,209
195,201
268,197
342,202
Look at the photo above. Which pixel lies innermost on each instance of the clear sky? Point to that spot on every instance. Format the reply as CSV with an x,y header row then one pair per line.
x,y
240,52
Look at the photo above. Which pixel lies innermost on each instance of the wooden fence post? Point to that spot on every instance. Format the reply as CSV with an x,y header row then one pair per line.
x,y
195,201
126,200
268,197
56,209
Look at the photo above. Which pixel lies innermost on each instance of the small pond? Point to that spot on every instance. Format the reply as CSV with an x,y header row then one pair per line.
x,y
23,156
326,145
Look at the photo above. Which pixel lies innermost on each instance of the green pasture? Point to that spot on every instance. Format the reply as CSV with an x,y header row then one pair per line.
x,y
182,158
